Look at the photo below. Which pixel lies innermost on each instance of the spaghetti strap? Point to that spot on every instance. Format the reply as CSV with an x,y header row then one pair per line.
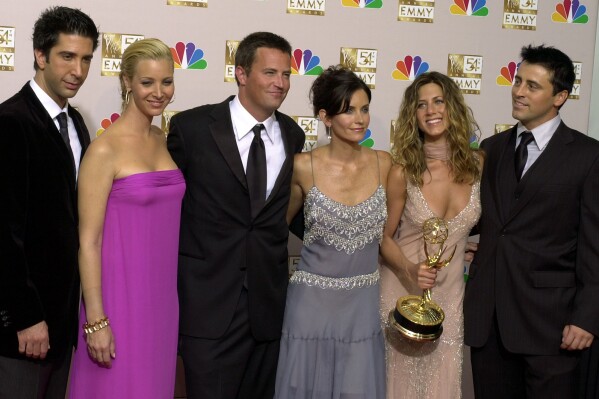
x,y
378,166
312,168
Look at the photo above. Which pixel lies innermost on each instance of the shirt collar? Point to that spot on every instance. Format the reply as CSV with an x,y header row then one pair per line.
x,y
243,121
49,104
543,132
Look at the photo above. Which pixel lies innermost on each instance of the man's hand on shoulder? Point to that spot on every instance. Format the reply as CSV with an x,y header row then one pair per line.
x,y
34,341
575,338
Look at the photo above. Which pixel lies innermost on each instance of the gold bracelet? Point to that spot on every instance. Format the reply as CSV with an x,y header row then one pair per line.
x,y
97,326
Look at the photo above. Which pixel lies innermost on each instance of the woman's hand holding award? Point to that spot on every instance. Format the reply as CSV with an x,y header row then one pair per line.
x,y
418,317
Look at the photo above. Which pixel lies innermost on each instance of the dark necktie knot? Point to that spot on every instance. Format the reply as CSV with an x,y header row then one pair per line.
x,y
521,155
256,171
258,130
63,128
526,138
62,120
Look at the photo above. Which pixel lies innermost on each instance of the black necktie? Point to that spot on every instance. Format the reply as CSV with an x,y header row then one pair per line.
x,y
522,153
64,132
256,171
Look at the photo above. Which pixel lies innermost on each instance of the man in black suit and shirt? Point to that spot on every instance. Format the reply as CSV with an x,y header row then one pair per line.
x,y
237,158
531,299
43,139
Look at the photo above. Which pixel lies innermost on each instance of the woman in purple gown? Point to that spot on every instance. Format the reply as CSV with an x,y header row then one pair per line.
x,y
129,207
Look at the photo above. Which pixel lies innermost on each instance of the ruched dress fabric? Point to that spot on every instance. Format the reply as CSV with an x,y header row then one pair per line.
x,y
140,247
428,370
332,346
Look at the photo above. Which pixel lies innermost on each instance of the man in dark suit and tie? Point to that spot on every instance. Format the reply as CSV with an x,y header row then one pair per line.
x,y
43,139
237,158
531,302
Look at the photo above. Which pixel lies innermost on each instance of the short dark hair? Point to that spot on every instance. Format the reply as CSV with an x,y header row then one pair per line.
x,y
333,89
56,20
246,51
555,61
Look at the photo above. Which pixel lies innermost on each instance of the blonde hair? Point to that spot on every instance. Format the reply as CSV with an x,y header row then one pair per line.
x,y
145,49
408,140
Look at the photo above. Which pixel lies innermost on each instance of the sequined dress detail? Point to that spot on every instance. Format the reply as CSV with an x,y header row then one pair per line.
x,y
332,344
428,370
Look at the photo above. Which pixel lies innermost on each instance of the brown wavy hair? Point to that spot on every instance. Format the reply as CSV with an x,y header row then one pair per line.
x,y
408,140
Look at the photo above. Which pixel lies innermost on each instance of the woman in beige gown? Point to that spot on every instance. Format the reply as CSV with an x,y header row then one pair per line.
x,y
435,174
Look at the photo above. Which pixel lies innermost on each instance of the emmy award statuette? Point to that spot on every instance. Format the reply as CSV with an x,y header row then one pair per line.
x,y
418,317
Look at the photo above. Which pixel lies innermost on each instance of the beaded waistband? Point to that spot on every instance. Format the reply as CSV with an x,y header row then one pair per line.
x,y
334,283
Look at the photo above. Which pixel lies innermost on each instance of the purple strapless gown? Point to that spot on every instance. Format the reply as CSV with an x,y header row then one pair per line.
x,y
140,247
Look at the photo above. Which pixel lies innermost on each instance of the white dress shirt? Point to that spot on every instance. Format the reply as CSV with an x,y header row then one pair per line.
x,y
542,135
54,110
243,122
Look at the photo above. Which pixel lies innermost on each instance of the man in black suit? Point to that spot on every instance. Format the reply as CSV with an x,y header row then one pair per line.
x,y
43,139
233,246
531,300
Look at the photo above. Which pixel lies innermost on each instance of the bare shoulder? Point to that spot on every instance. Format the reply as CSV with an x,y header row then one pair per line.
x,y
102,151
384,159
102,146
397,184
302,164
397,173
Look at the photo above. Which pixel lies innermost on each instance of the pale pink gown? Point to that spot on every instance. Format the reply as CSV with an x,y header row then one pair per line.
x,y
428,370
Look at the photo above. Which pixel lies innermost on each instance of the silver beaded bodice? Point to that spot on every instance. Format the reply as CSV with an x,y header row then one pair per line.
x,y
347,228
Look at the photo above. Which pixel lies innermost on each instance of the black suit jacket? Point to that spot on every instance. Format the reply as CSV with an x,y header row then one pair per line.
x,y
39,277
537,264
219,241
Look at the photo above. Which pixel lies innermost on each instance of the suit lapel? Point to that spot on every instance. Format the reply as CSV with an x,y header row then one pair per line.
x,y
542,170
224,137
81,129
51,131
287,164
498,170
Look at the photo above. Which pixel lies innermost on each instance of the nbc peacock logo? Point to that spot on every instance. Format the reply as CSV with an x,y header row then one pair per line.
x,y
187,56
409,68
106,122
304,62
475,8
362,3
367,141
507,74
571,12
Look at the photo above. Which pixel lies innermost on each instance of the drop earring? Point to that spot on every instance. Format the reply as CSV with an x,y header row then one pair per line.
x,y
328,129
